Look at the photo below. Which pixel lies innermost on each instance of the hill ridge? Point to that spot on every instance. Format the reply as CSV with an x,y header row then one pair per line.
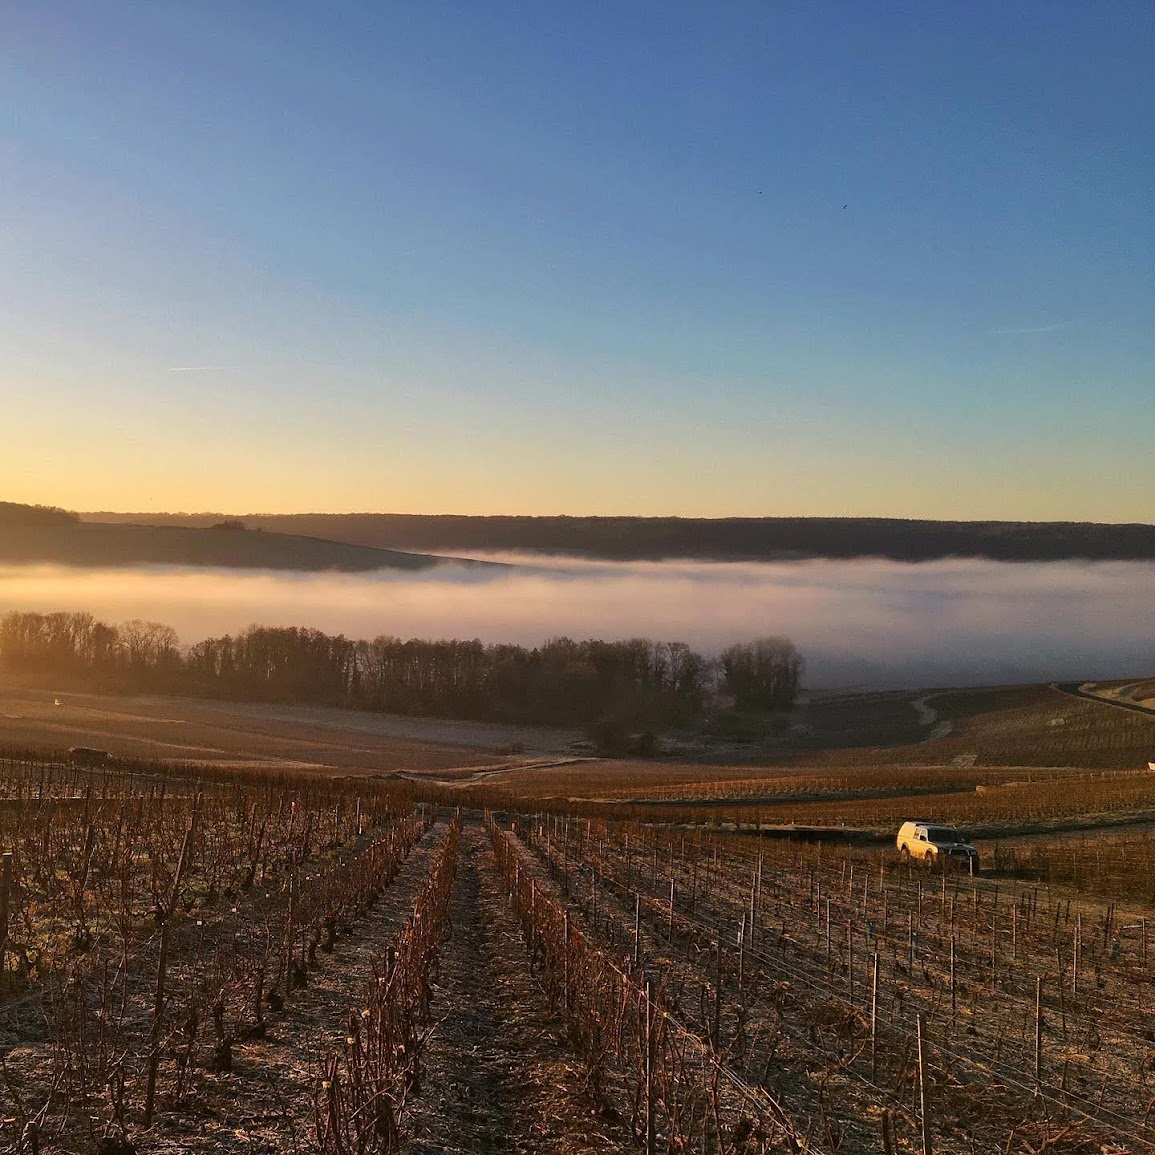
x,y
624,538
98,544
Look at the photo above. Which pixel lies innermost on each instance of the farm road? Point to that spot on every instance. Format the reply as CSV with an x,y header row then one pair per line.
x,y
928,716
498,1079
1077,690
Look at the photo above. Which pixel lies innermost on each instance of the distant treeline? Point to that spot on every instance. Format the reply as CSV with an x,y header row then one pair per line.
x,y
638,683
722,539
13,513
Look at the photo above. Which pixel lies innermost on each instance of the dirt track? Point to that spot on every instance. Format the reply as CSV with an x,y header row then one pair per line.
x,y
498,1079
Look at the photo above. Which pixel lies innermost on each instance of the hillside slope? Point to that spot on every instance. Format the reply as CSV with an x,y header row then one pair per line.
x,y
95,544
721,539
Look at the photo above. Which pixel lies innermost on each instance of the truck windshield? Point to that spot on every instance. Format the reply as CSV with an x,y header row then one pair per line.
x,y
943,834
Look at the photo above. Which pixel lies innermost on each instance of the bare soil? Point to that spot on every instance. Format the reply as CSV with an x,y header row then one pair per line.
x,y
188,729
498,1078
264,1105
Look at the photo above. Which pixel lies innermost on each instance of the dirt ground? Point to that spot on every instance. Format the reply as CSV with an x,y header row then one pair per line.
x,y
498,1078
1012,727
187,729
264,1106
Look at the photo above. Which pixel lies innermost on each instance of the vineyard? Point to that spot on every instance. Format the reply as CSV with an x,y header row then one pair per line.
x,y
881,1008
203,959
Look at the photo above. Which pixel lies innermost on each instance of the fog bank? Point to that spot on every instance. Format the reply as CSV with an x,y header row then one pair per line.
x,y
859,623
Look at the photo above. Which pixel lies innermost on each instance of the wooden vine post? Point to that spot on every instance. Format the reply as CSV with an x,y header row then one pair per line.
x,y
651,1128
953,985
742,955
753,912
922,1090
874,1020
1038,1030
1076,951
850,960
165,912
829,955
290,929
565,961
717,1032
637,927
5,903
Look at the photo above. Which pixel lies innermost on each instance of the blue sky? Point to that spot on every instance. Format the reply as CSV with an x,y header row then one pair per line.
x,y
747,258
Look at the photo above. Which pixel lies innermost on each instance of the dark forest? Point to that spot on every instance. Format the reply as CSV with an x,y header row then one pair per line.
x,y
638,683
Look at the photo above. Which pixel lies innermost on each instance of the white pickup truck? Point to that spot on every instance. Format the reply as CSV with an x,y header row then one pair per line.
x,y
936,845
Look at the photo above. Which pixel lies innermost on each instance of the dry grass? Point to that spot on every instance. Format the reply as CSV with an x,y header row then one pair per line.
x,y
1025,758
183,729
1031,735
1011,726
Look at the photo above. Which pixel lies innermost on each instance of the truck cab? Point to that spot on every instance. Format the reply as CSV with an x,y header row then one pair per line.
x,y
934,844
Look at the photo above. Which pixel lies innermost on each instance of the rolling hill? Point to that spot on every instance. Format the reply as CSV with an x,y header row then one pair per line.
x,y
25,540
721,539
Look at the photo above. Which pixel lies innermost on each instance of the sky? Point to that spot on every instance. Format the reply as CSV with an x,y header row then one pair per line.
x,y
749,258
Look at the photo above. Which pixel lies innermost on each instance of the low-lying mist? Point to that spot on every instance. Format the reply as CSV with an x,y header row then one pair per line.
x,y
861,623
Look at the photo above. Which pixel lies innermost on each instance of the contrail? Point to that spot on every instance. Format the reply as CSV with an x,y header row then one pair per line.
x,y
1052,328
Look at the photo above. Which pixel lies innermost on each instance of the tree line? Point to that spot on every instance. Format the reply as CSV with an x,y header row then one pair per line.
x,y
719,539
637,682
16,513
